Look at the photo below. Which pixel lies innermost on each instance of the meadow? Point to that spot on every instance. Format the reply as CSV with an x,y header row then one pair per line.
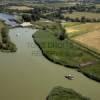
x,y
20,8
52,5
91,39
80,28
80,14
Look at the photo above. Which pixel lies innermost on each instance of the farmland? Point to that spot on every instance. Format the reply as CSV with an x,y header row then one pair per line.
x,y
91,39
20,8
80,14
69,53
80,29
86,33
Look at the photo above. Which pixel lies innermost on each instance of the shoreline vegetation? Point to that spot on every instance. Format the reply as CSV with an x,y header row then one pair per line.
x,y
5,43
65,52
60,93
54,44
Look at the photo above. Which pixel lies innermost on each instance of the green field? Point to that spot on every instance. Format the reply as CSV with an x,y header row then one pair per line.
x,y
75,29
70,24
52,5
92,71
80,14
98,5
60,93
64,52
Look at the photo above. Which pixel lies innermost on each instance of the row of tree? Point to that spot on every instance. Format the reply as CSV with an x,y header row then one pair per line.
x,y
80,8
58,15
34,15
82,19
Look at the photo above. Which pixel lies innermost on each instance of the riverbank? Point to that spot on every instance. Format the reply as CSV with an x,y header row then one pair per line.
x,y
5,43
60,93
29,67
66,53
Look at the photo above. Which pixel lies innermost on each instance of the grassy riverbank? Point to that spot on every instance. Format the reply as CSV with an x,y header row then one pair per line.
x,y
5,43
60,93
65,52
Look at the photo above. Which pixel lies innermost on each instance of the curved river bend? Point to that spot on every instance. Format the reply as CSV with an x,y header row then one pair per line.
x,y
27,75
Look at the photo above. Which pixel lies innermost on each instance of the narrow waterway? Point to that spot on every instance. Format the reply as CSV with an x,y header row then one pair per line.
x,y
28,75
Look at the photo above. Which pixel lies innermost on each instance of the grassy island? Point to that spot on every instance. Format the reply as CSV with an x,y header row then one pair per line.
x,y
60,93
5,42
66,52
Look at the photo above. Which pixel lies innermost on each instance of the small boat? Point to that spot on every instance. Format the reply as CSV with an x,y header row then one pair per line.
x,y
70,77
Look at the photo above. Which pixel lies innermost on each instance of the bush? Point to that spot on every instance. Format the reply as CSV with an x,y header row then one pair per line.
x,y
60,93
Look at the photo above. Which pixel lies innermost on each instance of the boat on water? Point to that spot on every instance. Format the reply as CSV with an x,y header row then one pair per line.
x,y
70,77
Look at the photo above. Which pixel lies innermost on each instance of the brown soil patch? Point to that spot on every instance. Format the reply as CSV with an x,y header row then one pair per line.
x,y
91,39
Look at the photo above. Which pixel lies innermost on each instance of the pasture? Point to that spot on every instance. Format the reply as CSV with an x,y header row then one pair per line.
x,y
91,39
80,14
80,29
20,8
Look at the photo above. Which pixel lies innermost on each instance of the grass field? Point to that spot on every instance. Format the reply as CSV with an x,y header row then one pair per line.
x,y
51,5
20,8
64,52
70,24
91,39
60,93
98,5
92,71
80,29
80,14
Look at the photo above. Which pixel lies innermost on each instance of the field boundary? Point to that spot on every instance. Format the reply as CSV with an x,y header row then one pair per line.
x,y
87,49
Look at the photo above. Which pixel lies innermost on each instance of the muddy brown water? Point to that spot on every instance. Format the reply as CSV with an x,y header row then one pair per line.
x,y
28,75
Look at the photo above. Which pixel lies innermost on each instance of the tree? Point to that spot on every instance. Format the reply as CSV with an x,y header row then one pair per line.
x,y
26,17
36,13
61,34
4,32
83,19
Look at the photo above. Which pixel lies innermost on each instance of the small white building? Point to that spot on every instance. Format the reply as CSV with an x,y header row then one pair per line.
x,y
26,24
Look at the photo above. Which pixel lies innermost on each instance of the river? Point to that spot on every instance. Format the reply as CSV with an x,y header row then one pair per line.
x,y
28,75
